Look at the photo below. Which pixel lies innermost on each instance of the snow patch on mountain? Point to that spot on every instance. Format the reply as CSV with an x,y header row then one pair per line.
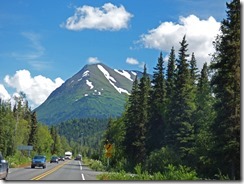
x,y
124,73
111,80
89,84
134,73
86,73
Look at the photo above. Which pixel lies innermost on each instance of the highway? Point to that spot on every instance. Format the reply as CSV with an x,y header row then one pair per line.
x,y
63,171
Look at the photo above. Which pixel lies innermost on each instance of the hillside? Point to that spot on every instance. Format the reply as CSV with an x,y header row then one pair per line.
x,y
96,91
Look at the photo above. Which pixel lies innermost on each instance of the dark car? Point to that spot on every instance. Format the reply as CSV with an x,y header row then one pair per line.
x,y
3,168
54,159
78,157
39,161
61,158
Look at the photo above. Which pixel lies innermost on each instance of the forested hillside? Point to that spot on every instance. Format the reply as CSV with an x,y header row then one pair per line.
x,y
187,116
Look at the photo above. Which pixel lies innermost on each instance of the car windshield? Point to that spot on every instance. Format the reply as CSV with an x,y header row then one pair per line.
x,y
38,157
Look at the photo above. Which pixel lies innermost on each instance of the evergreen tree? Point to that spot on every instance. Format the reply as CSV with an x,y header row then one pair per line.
x,y
203,119
157,107
142,124
170,93
193,69
131,121
33,131
226,85
181,126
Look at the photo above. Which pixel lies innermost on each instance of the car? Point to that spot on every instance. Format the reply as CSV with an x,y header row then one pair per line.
x,y
78,157
4,167
61,158
39,161
54,159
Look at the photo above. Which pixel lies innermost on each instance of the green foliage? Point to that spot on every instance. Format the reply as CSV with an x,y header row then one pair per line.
x,y
83,135
159,159
18,159
171,173
19,127
226,82
96,165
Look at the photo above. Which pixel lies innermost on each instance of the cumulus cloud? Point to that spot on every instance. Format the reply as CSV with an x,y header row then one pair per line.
x,y
132,61
93,60
107,17
4,95
36,88
199,35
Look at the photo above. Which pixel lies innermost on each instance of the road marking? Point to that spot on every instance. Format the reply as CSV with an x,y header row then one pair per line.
x,y
49,172
82,175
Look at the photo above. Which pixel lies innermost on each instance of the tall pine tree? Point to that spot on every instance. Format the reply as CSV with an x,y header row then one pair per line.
x,y
157,122
181,126
142,124
131,121
226,85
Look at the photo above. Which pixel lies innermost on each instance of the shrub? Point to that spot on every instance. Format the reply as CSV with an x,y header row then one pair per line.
x,y
160,159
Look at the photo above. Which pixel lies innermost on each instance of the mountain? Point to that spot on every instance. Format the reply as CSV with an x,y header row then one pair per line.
x,y
96,91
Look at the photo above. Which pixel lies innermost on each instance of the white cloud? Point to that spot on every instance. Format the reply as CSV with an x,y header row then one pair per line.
x,y
199,35
107,17
132,61
36,88
93,60
4,95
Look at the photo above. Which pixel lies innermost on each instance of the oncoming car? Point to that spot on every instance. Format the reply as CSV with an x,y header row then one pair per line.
x,y
39,161
54,159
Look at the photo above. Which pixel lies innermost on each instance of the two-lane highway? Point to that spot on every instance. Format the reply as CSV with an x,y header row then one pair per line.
x,y
67,170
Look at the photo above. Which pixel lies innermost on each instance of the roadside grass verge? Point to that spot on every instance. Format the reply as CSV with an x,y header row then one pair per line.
x,y
171,173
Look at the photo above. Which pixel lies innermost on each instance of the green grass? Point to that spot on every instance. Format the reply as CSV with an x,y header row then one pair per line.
x,y
172,173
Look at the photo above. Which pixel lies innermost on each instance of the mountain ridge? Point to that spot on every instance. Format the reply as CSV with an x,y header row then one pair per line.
x,y
96,91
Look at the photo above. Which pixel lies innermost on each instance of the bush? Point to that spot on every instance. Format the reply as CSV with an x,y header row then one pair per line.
x,y
17,160
160,159
94,164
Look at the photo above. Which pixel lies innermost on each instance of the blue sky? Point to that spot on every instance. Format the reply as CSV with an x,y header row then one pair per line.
x,y
43,43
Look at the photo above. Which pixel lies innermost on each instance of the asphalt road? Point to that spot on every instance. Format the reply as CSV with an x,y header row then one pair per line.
x,y
64,170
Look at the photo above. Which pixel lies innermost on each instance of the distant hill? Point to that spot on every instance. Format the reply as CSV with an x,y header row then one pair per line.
x,y
96,91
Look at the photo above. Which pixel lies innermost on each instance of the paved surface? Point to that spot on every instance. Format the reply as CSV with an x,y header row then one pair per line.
x,y
64,170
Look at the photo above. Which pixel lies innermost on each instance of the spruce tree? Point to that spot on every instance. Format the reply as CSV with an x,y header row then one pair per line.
x,y
181,126
33,131
142,124
226,85
170,92
157,107
131,121
203,118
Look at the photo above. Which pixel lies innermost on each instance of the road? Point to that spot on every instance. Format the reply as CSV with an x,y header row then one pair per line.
x,y
64,170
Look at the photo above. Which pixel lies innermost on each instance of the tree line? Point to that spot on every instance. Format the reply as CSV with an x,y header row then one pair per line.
x,y
184,116
19,126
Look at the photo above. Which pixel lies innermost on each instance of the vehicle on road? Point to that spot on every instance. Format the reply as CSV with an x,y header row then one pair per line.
x,y
4,167
78,157
39,161
68,155
61,158
54,159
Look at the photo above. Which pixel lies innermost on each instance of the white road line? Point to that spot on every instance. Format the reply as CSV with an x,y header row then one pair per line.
x,y
82,175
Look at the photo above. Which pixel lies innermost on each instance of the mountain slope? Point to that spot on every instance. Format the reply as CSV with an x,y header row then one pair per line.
x,y
95,91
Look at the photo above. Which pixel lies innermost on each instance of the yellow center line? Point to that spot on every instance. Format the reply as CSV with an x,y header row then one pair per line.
x,y
49,171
